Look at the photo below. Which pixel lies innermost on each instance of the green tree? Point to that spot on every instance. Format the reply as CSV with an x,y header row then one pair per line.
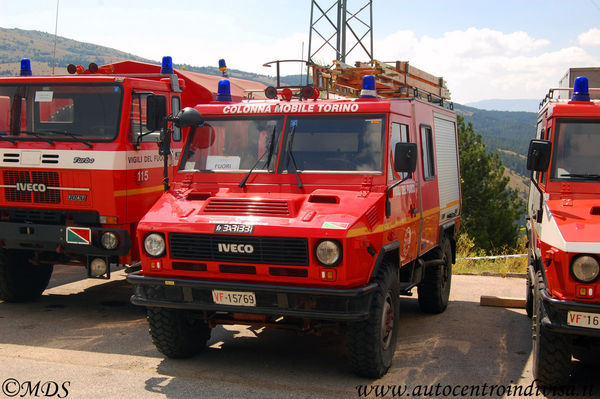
x,y
491,209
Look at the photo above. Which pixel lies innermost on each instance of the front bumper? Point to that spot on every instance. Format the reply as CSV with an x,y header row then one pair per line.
x,y
275,300
556,312
53,238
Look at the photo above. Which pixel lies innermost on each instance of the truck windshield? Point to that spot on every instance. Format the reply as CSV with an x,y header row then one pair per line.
x,y
233,145
576,150
60,112
334,144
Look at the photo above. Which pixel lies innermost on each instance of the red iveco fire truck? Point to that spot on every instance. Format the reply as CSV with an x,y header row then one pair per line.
x,y
563,290
79,164
305,213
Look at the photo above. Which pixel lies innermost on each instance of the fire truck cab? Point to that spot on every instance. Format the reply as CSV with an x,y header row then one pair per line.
x,y
79,165
563,285
303,214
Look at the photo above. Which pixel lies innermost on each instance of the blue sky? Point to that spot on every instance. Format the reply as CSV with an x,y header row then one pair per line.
x,y
510,49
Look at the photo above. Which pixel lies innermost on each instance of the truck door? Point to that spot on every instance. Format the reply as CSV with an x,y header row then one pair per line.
x,y
144,165
535,204
404,200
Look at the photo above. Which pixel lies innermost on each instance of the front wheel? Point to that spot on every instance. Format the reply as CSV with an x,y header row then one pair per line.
x,y
177,333
21,280
551,351
372,342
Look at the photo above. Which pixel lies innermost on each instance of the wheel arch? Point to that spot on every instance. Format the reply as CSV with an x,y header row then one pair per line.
x,y
390,253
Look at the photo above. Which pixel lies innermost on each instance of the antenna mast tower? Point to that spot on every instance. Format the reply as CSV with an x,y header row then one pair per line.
x,y
332,25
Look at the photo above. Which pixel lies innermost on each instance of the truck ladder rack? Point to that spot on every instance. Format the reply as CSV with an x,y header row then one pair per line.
x,y
399,80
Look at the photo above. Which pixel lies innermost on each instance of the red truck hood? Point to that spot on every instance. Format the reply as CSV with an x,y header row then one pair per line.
x,y
332,211
572,225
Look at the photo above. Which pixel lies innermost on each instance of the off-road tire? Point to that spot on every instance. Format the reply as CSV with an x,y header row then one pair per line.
x,y
177,333
372,342
20,280
434,290
551,351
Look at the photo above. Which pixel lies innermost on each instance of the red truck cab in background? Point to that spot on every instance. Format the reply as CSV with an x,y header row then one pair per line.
x,y
303,214
563,287
79,165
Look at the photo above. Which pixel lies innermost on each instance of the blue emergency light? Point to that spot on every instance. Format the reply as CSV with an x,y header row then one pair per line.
x,y
224,91
368,87
26,67
222,65
167,65
581,91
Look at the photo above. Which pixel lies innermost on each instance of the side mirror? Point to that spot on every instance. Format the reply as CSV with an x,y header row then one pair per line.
x,y
538,156
405,157
188,117
156,112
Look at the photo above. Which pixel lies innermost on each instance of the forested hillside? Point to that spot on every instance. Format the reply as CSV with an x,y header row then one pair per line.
x,y
507,133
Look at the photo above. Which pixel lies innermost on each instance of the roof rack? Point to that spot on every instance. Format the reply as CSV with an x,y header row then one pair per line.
x,y
391,81
398,80
550,96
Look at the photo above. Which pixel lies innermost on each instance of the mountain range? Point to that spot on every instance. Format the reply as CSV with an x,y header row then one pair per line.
x,y
523,105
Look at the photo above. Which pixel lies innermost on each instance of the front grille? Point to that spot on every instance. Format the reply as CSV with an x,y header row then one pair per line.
x,y
38,216
11,157
239,249
46,216
50,158
20,193
247,207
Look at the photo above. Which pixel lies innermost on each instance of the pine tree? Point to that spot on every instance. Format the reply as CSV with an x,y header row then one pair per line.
x,y
491,209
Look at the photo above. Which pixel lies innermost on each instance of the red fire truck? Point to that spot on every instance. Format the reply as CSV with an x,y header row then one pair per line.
x,y
305,214
79,164
563,287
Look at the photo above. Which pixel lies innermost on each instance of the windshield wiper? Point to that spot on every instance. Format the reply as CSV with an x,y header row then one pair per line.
x,y
37,135
291,155
4,137
587,176
269,151
75,136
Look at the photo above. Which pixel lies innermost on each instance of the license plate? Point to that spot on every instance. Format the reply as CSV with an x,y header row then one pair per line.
x,y
235,298
581,319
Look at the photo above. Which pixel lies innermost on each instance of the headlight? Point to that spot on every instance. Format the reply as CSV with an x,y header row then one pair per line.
x,y
154,245
328,252
109,240
585,268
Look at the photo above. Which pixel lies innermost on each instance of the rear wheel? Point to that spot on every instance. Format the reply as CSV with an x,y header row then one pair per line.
x,y
177,333
372,342
21,280
551,351
434,290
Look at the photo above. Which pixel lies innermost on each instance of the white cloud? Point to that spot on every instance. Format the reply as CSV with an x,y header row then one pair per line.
x,y
483,63
589,38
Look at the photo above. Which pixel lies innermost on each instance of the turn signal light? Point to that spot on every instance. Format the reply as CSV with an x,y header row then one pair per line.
x,y
109,220
328,274
155,265
585,292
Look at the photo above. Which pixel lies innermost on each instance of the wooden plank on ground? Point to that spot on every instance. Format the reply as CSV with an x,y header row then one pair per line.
x,y
486,300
